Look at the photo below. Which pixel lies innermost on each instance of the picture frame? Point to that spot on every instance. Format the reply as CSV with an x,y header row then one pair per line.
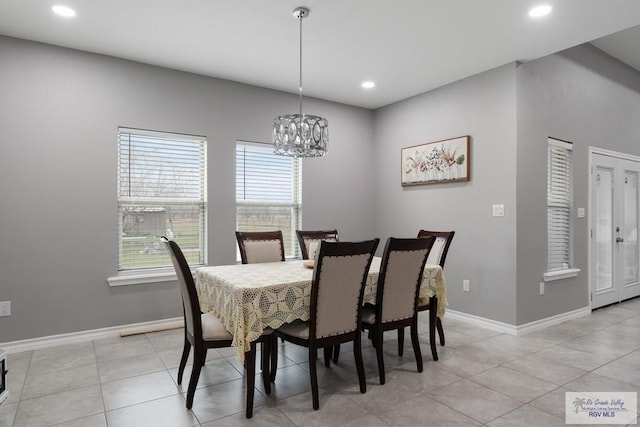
x,y
437,162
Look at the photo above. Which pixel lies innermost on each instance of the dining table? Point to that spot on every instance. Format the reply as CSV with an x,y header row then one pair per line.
x,y
248,298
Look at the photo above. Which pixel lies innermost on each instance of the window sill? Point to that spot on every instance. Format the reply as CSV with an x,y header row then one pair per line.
x,y
143,277
550,276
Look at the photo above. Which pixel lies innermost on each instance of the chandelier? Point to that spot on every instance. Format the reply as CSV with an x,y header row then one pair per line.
x,y
300,135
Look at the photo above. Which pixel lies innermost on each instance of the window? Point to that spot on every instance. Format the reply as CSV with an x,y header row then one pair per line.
x,y
268,192
559,204
161,191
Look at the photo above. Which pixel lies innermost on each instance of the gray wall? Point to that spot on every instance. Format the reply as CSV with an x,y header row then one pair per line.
x,y
484,248
580,95
59,114
584,96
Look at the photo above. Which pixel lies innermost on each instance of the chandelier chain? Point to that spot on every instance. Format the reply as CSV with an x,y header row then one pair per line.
x,y
301,17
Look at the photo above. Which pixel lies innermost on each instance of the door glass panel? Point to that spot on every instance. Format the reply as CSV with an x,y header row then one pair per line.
x,y
630,259
604,228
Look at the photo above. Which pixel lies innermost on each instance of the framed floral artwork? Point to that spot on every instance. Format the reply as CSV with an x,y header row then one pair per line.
x,y
436,162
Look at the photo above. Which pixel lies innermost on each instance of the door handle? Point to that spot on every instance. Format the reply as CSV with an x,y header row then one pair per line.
x,y
619,240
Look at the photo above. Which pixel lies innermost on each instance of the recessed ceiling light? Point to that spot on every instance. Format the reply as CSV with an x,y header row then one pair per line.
x,y
65,11
540,11
368,85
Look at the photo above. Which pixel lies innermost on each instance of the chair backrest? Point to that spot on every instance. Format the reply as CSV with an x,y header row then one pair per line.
x,y
309,240
438,253
190,302
400,277
338,284
260,246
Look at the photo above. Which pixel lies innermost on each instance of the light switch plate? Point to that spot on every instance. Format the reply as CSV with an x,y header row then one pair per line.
x,y
5,308
580,212
498,210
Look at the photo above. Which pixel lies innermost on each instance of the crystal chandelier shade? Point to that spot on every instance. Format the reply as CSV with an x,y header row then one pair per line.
x,y
300,135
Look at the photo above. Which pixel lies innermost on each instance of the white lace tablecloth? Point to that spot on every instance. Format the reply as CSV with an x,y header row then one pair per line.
x,y
248,298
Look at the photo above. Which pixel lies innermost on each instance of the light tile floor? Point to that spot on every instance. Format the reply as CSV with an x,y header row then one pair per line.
x,y
482,378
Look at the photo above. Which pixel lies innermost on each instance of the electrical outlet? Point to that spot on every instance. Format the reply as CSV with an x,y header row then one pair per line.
x,y
541,288
5,308
465,285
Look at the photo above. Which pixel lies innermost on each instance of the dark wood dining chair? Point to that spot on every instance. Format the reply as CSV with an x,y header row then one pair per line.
x,y
397,295
440,249
260,246
437,256
204,330
308,239
339,277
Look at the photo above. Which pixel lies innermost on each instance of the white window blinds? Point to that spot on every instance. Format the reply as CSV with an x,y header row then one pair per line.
x,y
559,203
161,191
268,192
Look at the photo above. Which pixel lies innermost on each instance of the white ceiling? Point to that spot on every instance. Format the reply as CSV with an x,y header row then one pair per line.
x,y
406,46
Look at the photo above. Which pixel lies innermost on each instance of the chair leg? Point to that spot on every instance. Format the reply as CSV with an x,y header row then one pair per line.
x,y
416,343
274,358
327,355
336,353
264,364
204,358
250,362
357,353
400,341
432,327
377,337
314,377
433,302
183,360
198,357
440,331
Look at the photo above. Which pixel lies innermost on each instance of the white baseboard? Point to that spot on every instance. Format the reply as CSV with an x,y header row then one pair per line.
x,y
114,331
553,320
494,325
81,336
483,322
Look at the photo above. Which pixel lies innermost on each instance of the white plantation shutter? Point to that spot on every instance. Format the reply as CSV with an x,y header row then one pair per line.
x,y
161,191
268,192
559,203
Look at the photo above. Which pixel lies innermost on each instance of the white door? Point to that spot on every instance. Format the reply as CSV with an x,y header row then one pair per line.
x,y
615,254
